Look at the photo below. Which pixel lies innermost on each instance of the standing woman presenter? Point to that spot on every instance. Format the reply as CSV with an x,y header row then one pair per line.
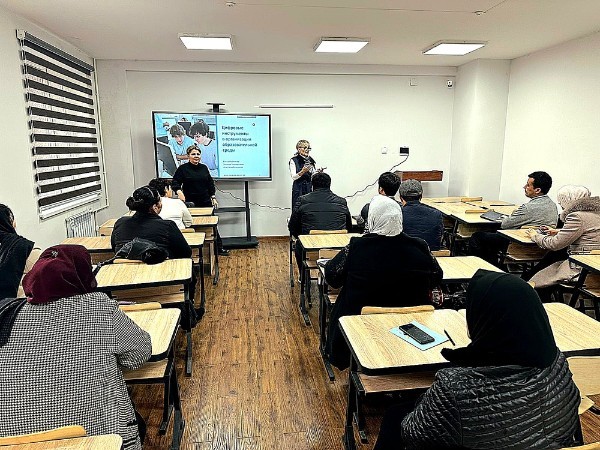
x,y
302,167
192,182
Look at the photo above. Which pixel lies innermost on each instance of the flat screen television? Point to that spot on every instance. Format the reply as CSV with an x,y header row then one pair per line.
x,y
233,146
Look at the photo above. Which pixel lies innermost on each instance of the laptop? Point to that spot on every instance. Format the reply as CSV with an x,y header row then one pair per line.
x,y
493,216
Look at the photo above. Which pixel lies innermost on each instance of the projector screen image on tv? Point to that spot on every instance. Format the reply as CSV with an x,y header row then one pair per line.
x,y
233,146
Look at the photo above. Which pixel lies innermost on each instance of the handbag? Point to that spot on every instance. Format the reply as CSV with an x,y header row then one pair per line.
x,y
140,250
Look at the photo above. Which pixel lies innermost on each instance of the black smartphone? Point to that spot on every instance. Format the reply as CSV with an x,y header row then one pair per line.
x,y
416,333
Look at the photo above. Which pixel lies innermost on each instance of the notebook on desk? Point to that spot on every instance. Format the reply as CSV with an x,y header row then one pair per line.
x,y
493,216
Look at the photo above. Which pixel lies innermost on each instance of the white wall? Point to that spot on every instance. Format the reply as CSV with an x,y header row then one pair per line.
x,y
478,128
553,118
372,110
17,189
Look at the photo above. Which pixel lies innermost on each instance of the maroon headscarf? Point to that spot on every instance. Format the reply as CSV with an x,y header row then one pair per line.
x,y
62,271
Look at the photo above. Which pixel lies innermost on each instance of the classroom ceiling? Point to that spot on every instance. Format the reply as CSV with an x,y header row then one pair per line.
x,y
285,31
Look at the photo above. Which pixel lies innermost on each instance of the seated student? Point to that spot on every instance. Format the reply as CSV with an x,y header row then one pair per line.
x,y
388,184
382,268
420,220
17,255
580,233
62,351
320,209
540,210
147,224
172,208
509,388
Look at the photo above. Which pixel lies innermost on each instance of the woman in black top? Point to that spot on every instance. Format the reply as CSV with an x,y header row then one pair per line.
x,y
192,182
147,224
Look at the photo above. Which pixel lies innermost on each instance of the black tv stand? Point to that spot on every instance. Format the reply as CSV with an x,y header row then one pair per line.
x,y
247,241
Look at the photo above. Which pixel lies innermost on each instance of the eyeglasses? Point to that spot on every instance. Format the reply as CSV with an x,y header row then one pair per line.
x,y
305,148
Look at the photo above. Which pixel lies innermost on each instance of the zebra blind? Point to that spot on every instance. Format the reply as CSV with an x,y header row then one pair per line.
x,y
63,126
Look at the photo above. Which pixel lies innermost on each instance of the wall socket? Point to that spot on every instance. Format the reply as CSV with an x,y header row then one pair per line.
x,y
404,150
384,150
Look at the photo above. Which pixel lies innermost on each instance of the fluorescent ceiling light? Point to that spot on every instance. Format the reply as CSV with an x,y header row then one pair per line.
x,y
294,105
206,42
340,45
456,48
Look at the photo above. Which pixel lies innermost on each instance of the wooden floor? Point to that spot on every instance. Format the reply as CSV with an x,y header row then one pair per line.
x,y
258,381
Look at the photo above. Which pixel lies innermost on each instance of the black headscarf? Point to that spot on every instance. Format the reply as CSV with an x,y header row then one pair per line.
x,y
14,251
507,323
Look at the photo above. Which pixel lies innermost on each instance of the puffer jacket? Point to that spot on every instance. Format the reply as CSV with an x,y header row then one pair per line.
x,y
505,407
320,210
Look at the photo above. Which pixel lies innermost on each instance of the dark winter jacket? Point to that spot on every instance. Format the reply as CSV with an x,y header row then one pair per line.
x,y
320,210
423,221
506,407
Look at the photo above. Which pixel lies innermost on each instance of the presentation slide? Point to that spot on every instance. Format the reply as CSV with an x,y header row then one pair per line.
x,y
233,146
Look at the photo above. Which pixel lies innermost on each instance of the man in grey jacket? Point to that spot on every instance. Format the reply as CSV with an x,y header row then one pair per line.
x,y
540,210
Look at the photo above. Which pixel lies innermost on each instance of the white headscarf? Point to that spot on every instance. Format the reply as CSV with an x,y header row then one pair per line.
x,y
385,216
569,193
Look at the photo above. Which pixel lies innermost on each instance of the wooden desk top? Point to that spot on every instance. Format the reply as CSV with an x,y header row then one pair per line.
x,y
519,235
110,223
590,262
490,204
576,334
138,274
97,244
462,268
161,324
318,241
104,442
205,221
429,200
377,350
93,244
206,211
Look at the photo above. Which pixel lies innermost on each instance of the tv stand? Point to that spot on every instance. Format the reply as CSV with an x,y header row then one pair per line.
x,y
247,241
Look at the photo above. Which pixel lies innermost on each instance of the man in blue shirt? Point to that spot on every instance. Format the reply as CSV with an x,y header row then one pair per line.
x,y
180,142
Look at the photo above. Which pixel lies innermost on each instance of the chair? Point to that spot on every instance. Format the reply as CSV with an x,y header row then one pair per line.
x,y
592,446
140,306
470,199
67,432
381,384
440,253
585,376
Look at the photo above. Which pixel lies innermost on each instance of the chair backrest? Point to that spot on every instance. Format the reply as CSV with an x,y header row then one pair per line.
x,y
396,310
188,230
439,253
140,307
585,370
328,232
592,446
68,432
595,252
471,199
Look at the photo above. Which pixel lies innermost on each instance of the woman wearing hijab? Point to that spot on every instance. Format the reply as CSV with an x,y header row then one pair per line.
x,y
579,234
509,388
63,352
147,224
17,255
382,268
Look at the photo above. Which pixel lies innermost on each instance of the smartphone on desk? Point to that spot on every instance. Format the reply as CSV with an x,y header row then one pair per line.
x,y
416,333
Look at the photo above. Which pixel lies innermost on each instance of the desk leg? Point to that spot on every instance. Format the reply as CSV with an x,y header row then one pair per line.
x,y
303,310
202,309
188,352
168,397
323,313
578,286
349,442
216,278
178,422
291,261
453,238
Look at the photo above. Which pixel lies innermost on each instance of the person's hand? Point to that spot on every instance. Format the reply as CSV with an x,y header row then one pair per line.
x,y
549,231
214,202
530,232
181,196
304,170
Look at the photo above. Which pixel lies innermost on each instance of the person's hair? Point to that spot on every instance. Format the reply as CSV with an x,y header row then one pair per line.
x,y
143,199
541,180
177,130
302,143
200,127
321,180
160,185
191,148
389,182
410,190
7,211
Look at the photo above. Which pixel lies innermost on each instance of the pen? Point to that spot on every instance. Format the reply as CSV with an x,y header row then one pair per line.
x,y
450,338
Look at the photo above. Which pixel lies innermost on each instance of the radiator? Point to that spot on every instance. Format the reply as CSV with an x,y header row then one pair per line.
x,y
81,224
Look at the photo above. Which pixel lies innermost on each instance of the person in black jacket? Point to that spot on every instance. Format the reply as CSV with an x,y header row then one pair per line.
x,y
192,182
509,388
147,224
382,268
420,220
302,168
319,210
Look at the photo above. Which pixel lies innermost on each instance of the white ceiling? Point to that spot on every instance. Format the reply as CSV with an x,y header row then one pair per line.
x,y
285,31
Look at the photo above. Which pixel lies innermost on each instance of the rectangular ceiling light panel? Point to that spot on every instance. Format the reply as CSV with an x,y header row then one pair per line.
x,y
340,45
199,42
453,48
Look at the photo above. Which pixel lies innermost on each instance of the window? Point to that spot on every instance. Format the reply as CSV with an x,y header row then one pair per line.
x,y
63,126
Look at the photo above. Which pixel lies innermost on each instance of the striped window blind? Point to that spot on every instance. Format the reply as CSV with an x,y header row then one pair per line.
x,y
60,97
